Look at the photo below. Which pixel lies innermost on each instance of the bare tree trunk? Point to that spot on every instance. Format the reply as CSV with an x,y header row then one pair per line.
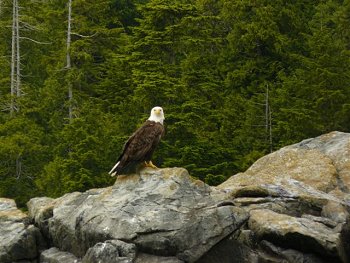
x,y
268,121
271,146
267,109
18,166
13,58
18,59
68,65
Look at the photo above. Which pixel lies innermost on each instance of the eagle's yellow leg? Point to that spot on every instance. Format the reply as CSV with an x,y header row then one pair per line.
x,y
150,164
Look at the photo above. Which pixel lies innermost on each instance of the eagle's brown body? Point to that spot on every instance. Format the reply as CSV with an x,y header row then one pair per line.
x,y
139,147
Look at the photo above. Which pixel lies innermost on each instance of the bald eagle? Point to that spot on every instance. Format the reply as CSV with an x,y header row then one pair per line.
x,y
141,144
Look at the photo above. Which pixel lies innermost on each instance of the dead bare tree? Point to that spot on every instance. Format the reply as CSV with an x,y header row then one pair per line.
x,y
18,56
13,58
17,25
68,61
15,70
267,117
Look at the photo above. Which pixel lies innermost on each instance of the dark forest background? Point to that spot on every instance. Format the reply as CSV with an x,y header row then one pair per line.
x,y
237,79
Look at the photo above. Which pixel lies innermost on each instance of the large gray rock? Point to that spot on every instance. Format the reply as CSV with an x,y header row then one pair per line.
x,y
40,209
163,212
297,233
298,200
19,241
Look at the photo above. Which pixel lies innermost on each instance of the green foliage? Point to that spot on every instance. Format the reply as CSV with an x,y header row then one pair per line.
x,y
208,63
22,155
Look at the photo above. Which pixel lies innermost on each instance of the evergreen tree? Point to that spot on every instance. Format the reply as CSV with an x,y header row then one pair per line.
x,y
263,41
315,95
22,156
154,62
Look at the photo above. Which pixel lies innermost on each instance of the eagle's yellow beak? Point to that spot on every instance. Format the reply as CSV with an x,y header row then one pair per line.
x,y
157,111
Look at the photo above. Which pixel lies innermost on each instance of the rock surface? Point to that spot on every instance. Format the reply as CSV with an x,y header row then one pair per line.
x,y
54,255
163,212
289,206
111,251
294,232
298,200
19,241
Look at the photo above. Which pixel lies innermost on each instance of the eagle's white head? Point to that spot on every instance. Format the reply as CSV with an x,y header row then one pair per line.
x,y
157,115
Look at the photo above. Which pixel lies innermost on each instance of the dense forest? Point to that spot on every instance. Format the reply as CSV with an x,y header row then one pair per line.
x,y
237,79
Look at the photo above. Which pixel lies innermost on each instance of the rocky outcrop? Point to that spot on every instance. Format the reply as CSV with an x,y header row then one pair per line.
x,y
298,201
162,212
290,206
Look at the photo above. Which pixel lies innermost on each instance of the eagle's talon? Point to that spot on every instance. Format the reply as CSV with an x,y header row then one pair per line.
x,y
150,164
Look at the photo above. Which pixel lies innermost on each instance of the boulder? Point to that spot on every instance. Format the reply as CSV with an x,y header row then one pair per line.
x,y
19,240
164,212
322,163
310,175
298,200
302,234
40,209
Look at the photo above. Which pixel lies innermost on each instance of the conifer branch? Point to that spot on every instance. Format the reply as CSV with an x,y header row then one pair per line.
x,y
79,35
35,41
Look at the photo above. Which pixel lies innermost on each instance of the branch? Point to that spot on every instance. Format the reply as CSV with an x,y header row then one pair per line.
x,y
37,42
79,35
29,26
7,108
257,103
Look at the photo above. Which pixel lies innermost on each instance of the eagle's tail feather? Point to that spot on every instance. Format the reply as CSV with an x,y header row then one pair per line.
x,y
112,172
